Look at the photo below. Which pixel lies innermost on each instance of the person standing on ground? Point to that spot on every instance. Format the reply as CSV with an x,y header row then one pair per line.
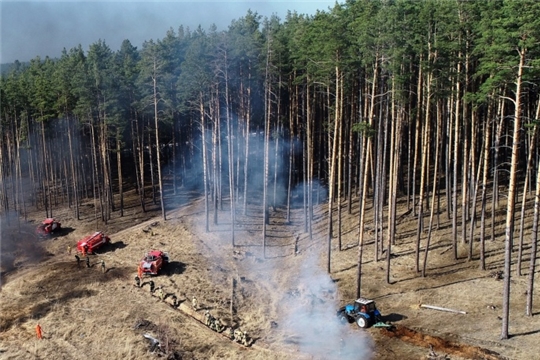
x,y
87,261
103,269
194,303
78,260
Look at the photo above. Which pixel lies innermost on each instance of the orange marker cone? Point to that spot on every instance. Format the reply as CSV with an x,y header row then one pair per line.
x,y
39,333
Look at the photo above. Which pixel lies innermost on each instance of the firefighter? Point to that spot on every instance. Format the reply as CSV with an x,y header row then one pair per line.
x,y
39,332
152,288
137,281
231,333
160,293
78,260
194,303
140,272
69,249
237,335
83,251
174,300
217,325
103,268
207,318
245,340
87,261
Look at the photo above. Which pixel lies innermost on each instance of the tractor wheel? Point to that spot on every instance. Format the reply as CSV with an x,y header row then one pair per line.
x,y
362,322
343,319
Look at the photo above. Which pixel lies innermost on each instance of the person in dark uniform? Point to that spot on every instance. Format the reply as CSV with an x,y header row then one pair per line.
x,y
78,260
245,339
103,268
87,261
218,326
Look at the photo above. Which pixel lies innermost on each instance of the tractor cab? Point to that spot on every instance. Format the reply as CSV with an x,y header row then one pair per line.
x,y
48,227
365,306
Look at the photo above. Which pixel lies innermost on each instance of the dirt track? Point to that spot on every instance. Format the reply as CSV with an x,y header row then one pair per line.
x,y
440,345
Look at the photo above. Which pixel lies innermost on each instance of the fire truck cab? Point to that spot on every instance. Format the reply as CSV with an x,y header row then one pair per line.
x,y
153,261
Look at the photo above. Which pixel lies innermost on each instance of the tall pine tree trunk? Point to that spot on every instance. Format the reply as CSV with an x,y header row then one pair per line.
x,y
534,246
332,181
510,210
204,162
158,145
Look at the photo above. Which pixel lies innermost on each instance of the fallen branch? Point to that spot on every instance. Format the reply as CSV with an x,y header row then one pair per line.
x,y
442,309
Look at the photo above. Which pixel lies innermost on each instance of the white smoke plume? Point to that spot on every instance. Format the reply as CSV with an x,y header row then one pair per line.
x,y
312,321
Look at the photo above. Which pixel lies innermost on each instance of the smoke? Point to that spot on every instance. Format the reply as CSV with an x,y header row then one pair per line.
x,y
311,319
294,293
18,244
46,27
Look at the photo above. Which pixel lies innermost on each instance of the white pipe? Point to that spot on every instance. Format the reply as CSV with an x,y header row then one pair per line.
x,y
442,309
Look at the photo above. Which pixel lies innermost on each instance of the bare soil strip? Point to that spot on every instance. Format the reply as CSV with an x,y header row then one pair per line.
x,y
440,345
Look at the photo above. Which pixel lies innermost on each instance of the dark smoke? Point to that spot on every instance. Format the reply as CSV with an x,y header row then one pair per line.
x,y
18,244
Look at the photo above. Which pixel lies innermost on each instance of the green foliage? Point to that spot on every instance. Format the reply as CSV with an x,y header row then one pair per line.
x,y
364,129
506,28
398,43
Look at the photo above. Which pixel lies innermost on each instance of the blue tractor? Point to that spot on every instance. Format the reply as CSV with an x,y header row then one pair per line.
x,y
363,312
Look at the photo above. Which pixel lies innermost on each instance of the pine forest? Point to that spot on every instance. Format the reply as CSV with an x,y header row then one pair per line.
x,y
433,103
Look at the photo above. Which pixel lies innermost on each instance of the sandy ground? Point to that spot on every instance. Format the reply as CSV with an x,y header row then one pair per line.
x,y
280,294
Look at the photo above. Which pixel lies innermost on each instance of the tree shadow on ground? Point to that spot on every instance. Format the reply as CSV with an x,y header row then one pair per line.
x,y
525,333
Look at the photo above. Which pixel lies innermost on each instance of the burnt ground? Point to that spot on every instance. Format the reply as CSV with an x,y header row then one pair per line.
x,y
282,296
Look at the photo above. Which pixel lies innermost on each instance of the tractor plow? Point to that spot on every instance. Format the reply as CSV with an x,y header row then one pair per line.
x,y
381,324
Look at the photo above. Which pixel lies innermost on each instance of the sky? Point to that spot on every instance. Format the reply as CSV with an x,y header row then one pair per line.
x,y
43,28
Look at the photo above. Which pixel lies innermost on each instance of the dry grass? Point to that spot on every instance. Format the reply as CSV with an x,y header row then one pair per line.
x,y
87,314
